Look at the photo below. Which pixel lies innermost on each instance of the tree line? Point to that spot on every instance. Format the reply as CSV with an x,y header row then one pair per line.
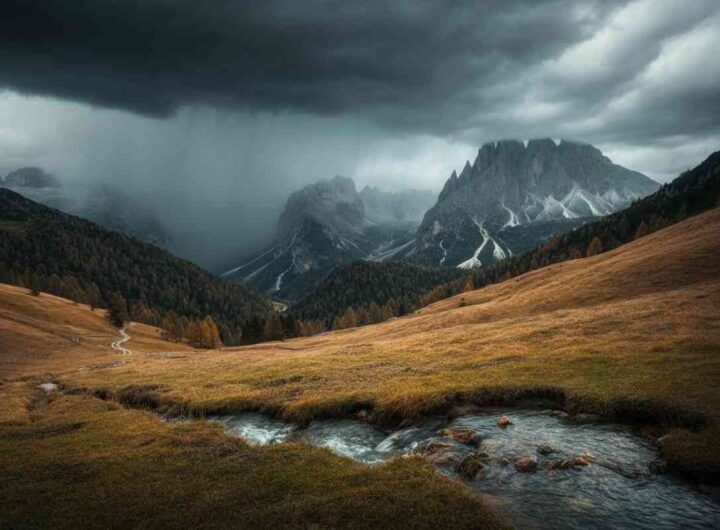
x,y
46,250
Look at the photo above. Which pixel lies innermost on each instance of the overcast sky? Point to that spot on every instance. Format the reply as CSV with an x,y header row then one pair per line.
x,y
220,108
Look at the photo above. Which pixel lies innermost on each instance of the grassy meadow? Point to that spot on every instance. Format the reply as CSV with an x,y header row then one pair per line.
x,y
633,334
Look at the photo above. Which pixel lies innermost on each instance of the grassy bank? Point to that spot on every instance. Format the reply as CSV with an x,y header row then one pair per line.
x,y
79,462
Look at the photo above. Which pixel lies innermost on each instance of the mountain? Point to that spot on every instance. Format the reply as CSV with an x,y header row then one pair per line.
x,y
515,196
322,226
77,259
692,193
99,203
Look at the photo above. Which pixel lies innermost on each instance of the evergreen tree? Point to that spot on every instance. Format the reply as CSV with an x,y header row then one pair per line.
x,y
117,310
273,328
34,285
374,313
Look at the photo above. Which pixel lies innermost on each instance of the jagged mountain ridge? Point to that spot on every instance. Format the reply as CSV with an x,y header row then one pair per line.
x,y
322,226
515,196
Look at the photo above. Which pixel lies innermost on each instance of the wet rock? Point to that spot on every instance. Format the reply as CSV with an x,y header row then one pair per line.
x,y
362,414
462,435
567,463
588,457
407,422
579,461
658,467
436,447
504,421
545,449
447,457
470,466
563,463
526,464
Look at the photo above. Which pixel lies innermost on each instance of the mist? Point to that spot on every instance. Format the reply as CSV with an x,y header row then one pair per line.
x,y
217,178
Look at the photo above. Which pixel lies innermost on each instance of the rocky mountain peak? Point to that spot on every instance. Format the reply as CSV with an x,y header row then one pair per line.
x,y
514,183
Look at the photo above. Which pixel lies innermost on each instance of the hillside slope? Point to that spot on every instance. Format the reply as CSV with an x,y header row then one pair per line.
x,y
63,254
634,329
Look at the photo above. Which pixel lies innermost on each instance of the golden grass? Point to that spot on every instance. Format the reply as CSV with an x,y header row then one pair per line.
x,y
48,334
85,463
632,331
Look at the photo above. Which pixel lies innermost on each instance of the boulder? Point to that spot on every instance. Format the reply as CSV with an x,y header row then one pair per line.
x,y
447,457
545,449
462,435
470,466
504,421
526,464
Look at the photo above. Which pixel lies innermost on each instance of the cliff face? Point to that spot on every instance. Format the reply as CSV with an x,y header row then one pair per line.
x,y
515,196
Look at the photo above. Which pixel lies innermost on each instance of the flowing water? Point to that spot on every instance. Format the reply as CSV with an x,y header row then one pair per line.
x,y
616,490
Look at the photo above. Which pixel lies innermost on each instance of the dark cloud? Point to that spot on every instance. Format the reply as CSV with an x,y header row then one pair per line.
x,y
411,64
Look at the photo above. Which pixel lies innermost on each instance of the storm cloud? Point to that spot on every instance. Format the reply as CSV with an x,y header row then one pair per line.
x,y
231,104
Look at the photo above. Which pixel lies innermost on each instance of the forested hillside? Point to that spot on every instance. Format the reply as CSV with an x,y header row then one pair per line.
x,y
369,287
47,250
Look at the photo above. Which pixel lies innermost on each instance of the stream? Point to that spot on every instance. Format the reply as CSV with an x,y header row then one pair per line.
x,y
622,485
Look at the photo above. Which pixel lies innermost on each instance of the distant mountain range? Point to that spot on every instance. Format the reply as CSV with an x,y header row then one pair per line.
x,y
326,224
515,196
359,286
107,206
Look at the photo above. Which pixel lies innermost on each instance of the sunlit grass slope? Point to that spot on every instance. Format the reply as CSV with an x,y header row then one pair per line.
x,y
635,331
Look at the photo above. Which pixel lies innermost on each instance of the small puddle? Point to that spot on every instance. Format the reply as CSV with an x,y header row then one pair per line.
x,y
616,490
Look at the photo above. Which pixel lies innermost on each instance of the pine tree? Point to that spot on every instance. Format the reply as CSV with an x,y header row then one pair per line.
x,y
273,328
94,298
117,310
374,313
362,316
595,247
34,285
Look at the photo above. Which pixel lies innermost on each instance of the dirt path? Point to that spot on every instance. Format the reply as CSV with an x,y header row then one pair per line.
x,y
118,344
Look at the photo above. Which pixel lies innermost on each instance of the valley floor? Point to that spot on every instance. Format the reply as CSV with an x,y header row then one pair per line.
x,y
633,333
